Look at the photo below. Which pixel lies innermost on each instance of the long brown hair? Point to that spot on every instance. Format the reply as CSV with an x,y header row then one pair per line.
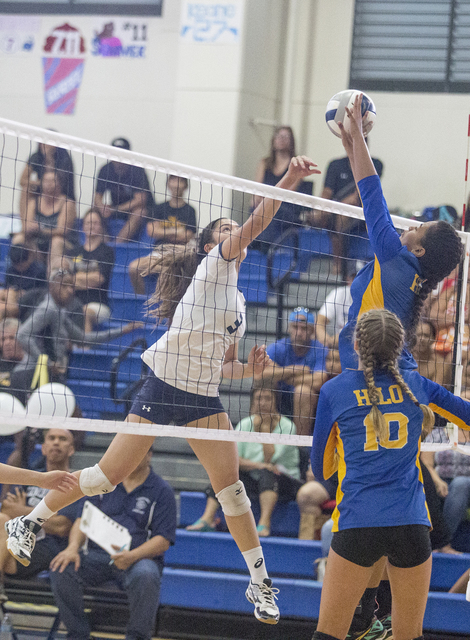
x,y
270,160
380,337
176,266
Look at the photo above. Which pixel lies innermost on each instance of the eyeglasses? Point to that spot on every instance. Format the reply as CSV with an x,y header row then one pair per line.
x,y
301,309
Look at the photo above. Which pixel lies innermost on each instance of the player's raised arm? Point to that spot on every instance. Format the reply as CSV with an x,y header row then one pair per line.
x,y
354,143
300,167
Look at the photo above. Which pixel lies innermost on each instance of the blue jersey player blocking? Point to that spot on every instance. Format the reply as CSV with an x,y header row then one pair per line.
x,y
368,428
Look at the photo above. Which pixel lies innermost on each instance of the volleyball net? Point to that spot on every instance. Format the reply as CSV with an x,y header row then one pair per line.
x,y
84,377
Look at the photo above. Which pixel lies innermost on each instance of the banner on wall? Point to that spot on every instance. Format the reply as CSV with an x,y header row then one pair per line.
x,y
18,33
208,22
120,38
63,65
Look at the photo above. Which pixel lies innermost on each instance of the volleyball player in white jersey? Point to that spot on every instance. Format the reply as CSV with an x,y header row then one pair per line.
x,y
199,297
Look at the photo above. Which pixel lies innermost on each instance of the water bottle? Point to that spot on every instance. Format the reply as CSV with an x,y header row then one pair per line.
x,y
6,632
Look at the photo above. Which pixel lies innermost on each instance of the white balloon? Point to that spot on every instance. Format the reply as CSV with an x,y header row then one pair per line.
x,y
52,399
9,405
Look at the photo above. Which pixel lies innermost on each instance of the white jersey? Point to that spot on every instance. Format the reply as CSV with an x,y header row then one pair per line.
x,y
208,320
336,308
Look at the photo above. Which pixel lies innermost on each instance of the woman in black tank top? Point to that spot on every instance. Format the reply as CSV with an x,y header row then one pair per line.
x,y
49,220
270,170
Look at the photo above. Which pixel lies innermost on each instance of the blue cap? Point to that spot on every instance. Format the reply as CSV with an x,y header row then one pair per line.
x,y
302,314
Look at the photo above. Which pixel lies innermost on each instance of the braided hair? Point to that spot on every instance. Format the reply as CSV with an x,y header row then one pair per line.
x,y
176,266
443,252
380,337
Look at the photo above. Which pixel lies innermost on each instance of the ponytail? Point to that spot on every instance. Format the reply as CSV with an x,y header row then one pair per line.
x,y
175,265
380,338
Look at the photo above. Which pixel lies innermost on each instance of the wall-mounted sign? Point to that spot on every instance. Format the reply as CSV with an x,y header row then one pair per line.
x,y
116,38
63,64
208,22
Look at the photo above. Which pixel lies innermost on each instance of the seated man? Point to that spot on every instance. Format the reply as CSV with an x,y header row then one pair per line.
x,y
145,505
174,222
130,194
57,449
298,369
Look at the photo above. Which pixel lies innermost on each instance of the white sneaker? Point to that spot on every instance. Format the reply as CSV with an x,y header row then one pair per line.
x,y
263,596
20,541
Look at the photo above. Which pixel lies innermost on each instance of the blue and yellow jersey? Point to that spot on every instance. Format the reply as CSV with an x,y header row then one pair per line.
x,y
390,281
380,483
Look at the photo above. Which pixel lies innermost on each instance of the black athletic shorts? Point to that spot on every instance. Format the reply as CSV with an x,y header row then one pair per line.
x,y
405,546
161,403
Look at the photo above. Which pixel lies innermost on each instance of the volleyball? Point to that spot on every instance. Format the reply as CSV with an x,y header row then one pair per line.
x,y
336,111
53,399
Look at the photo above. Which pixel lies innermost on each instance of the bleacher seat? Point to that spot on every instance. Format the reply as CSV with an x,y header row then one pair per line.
x,y
252,280
312,243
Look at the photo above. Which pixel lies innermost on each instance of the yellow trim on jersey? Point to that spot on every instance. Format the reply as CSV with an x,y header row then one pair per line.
x,y
341,476
330,457
373,297
418,464
449,416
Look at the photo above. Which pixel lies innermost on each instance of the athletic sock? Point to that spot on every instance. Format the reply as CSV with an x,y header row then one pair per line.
x,y
39,515
363,619
384,600
254,559
318,635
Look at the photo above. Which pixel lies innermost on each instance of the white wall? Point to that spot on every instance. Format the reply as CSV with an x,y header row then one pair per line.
x,y
196,103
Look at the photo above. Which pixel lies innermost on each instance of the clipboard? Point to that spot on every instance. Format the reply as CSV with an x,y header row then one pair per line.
x,y
103,530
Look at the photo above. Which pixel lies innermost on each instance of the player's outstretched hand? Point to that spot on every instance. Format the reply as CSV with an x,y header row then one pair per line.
x,y
302,167
355,117
259,359
60,480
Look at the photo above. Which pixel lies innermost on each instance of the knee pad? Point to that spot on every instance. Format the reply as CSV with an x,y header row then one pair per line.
x,y
233,499
93,482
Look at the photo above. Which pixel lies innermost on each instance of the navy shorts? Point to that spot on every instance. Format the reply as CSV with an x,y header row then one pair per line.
x,y
161,403
405,546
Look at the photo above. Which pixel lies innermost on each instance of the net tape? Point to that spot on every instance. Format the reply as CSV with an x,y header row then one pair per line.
x,y
109,153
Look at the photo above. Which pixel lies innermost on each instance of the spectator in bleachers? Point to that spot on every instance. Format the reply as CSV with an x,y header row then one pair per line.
x,y
270,472
340,186
450,471
270,170
93,263
431,363
333,314
333,363
46,157
51,328
145,505
129,191
57,450
24,272
298,369
49,220
442,314
173,222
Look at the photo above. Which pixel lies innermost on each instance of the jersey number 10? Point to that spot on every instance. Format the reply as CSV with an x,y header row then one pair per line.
x,y
398,442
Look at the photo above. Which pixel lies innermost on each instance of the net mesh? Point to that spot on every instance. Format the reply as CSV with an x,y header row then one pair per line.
x,y
82,370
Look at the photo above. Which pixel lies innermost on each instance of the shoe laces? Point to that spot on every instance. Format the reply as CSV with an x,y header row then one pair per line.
x,y
269,593
27,537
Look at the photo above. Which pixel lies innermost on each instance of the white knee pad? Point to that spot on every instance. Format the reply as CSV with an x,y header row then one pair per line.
x,y
93,482
233,499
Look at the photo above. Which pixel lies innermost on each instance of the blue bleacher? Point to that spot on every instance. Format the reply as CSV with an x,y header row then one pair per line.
x,y
285,521
210,579
312,243
358,245
252,280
